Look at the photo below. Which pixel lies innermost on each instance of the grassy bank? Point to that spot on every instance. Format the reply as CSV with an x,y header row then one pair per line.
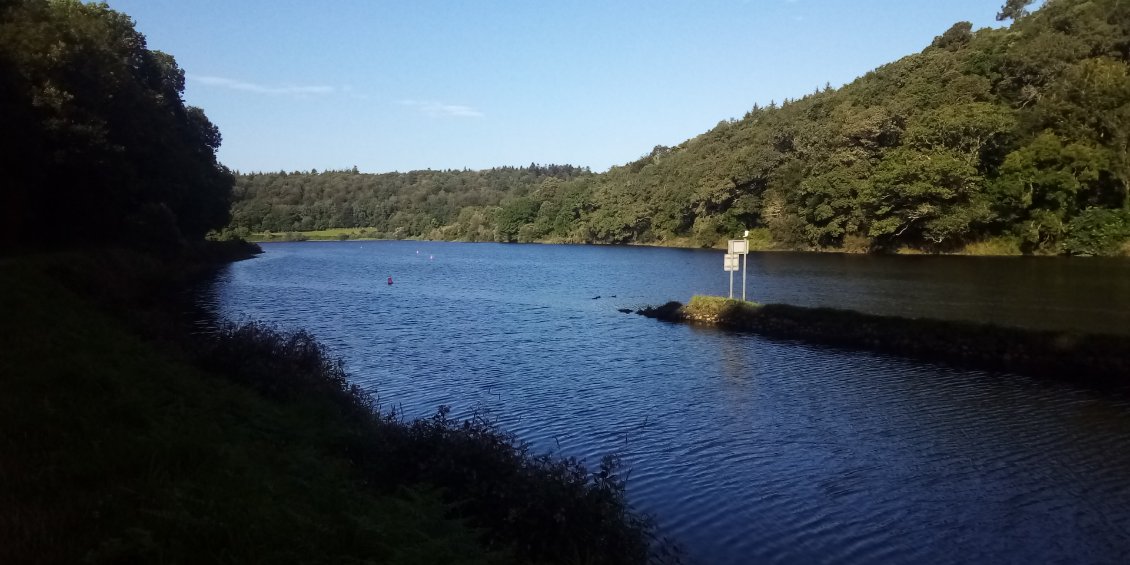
x,y
759,240
1095,360
251,446
333,234
113,451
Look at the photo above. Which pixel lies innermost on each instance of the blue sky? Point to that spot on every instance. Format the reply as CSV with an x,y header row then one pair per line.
x,y
417,84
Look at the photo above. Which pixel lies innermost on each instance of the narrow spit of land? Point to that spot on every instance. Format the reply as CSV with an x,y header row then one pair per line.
x,y
1101,361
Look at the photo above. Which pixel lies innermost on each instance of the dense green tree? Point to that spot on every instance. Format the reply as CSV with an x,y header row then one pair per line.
x,y
413,204
1097,231
512,216
1013,10
99,146
925,196
977,132
1046,183
955,37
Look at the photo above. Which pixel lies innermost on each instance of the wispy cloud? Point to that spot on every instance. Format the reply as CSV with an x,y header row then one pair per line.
x,y
441,110
232,84
352,93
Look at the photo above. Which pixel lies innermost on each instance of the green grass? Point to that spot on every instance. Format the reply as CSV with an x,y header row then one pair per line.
x,y
761,240
717,308
1003,245
115,451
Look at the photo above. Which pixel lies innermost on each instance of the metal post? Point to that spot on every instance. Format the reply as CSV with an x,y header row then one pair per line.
x,y
743,276
731,285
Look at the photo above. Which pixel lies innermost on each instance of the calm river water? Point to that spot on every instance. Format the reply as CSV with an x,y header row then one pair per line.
x,y
747,450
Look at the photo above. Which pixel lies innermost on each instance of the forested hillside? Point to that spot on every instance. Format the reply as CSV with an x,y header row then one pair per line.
x,y
1018,133
98,145
463,205
1014,139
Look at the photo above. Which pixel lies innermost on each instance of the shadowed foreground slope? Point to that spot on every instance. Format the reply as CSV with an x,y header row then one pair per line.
x,y
252,446
112,451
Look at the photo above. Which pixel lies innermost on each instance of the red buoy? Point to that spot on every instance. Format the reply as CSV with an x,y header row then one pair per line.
x,y
390,281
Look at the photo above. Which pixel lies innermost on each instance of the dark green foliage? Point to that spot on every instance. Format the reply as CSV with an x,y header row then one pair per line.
x,y
924,196
247,444
514,214
1013,10
1097,231
954,37
285,366
545,509
98,145
464,205
116,451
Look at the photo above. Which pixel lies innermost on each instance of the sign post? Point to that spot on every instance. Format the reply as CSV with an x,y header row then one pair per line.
x,y
730,264
738,247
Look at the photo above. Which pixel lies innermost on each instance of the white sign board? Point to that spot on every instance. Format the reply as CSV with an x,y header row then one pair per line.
x,y
739,246
730,262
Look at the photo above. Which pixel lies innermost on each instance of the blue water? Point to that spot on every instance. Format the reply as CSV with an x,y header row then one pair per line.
x,y
744,449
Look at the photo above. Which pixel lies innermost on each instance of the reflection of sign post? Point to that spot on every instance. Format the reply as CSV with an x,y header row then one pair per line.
x,y
738,247
730,264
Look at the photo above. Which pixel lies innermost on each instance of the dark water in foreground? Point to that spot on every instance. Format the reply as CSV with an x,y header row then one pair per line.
x,y
746,449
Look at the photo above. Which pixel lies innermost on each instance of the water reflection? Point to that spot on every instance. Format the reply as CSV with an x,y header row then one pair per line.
x,y
1081,293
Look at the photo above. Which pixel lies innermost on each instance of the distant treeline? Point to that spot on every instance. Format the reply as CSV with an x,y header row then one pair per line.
x,y
98,145
464,205
996,140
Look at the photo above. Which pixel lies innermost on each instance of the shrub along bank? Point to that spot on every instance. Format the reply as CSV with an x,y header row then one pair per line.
x,y
250,445
1096,360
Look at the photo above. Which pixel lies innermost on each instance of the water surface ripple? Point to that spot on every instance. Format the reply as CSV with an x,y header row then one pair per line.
x,y
745,449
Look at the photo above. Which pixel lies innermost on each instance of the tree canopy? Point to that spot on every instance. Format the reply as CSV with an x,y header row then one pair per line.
x,y
489,205
98,144
1013,9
